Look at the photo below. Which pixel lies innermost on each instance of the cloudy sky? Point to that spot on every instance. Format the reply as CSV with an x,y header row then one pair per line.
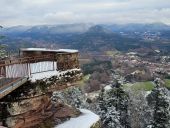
x,y
38,12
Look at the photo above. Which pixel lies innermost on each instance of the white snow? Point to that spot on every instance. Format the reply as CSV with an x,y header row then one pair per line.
x,y
43,75
49,50
48,74
92,95
108,87
67,50
86,120
147,93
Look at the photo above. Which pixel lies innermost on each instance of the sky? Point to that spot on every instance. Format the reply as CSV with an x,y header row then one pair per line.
x,y
40,12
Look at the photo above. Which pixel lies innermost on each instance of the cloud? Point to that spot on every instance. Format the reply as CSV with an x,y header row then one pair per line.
x,y
33,12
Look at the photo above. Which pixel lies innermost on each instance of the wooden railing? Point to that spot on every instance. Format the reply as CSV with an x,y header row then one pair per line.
x,y
9,87
6,81
20,60
11,67
21,65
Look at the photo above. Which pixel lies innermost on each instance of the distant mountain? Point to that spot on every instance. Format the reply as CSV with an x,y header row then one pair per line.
x,y
86,37
81,28
99,38
46,29
138,27
14,31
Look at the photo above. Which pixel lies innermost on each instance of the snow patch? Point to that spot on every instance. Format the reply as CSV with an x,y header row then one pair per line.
x,y
147,93
49,74
86,120
50,50
108,87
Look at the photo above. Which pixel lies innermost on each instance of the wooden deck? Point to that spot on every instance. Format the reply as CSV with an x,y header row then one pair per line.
x,y
14,72
8,85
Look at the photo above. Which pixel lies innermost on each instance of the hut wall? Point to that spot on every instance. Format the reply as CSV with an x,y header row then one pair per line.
x,y
63,60
67,61
2,69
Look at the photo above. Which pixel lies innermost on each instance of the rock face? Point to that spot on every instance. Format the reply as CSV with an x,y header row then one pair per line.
x,y
41,111
96,125
31,105
26,105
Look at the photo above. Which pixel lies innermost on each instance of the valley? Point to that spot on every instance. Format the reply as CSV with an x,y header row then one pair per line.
x,y
124,77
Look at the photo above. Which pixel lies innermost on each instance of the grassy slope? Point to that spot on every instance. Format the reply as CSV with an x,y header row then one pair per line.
x,y
82,82
167,82
111,53
147,86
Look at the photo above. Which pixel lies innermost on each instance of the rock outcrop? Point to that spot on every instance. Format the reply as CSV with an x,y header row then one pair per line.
x,y
31,105
40,111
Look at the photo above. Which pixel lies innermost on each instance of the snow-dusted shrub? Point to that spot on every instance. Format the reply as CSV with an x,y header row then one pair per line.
x,y
71,96
112,107
159,102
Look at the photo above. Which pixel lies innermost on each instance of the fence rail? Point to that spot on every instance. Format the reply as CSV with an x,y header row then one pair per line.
x,y
25,66
20,60
6,81
9,87
16,71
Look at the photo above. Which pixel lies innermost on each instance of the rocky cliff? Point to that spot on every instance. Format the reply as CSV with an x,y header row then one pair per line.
x,y
31,106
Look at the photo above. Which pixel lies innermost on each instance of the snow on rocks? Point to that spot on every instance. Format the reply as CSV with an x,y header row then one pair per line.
x,y
50,50
86,120
147,93
49,74
108,87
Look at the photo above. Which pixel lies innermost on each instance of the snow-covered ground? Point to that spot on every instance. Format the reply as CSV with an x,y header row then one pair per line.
x,y
43,75
86,120
50,50
108,87
147,93
48,74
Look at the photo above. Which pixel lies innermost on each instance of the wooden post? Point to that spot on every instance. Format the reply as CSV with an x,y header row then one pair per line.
x,y
53,65
29,68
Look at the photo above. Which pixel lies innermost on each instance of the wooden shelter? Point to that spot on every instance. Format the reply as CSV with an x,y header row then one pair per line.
x,y
16,70
64,58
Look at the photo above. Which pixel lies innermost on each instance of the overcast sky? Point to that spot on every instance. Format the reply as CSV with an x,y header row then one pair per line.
x,y
38,12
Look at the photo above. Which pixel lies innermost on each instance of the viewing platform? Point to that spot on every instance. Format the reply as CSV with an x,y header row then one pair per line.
x,y
16,71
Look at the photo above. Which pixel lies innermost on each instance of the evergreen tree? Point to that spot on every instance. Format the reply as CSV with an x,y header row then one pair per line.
x,y
112,107
160,102
112,118
107,111
2,48
122,104
2,52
